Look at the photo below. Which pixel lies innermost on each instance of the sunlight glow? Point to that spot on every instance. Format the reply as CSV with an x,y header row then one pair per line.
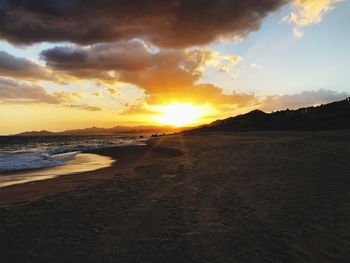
x,y
180,114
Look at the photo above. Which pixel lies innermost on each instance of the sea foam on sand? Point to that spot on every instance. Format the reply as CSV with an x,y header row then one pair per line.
x,y
81,162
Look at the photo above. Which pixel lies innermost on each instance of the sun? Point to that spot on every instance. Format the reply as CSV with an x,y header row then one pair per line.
x,y
180,114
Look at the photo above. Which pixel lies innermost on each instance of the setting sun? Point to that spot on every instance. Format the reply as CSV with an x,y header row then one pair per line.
x,y
180,114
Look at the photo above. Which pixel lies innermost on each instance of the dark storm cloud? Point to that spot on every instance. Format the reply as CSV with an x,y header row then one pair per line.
x,y
130,56
65,56
170,23
16,67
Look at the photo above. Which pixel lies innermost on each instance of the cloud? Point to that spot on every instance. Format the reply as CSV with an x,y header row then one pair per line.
x,y
297,33
171,23
85,107
137,109
130,56
113,92
100,61
105,60
166,75
68,96
12,92
97,94
174,77
21,68
303,99
308,12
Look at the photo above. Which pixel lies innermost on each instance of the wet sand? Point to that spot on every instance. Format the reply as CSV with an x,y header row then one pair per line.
x,y
243,197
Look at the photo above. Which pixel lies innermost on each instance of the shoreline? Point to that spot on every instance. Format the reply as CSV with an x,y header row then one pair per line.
x,y
125,159
81,162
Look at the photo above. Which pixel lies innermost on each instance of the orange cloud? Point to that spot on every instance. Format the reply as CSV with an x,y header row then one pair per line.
x,y
85,107
173,78
137,109
166,75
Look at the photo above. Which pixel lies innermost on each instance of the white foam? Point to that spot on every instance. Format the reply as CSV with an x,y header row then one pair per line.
x,y
33,160
83,162
55,156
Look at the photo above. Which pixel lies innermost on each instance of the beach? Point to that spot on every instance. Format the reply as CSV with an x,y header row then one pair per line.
x,y
205,197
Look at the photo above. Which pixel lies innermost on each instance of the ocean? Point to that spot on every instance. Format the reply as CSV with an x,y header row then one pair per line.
x,y
19,153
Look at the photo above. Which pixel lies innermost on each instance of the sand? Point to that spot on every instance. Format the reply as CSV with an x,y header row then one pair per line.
x,y
220,197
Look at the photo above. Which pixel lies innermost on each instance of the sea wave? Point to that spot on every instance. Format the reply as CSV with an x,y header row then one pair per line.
x,y
33,160
55,156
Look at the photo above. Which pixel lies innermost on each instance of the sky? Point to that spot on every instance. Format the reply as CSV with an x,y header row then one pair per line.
x,y
77,64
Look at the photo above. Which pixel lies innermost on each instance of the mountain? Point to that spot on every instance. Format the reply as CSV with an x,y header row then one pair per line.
x,y
37,133
139,130
330,116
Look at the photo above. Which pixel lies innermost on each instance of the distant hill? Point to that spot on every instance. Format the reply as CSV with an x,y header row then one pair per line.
x,y
139,130
37,133
330,116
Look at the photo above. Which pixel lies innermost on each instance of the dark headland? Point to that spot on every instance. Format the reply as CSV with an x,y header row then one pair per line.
x,y
277,193
331,116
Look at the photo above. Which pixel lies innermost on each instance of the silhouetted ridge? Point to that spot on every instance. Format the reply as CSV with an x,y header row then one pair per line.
x,y
117,130
37,133
256,113
330,116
